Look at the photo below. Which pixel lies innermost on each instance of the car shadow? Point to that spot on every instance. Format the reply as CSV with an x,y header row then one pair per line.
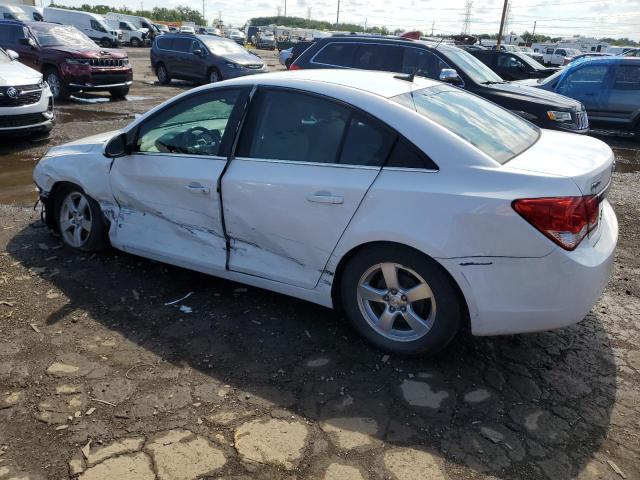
x,y
524,406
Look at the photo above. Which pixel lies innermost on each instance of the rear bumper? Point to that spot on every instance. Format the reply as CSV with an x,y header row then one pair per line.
x,y
519,295
37,116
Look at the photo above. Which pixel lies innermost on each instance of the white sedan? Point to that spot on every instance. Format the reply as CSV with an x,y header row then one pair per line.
x,y
416,208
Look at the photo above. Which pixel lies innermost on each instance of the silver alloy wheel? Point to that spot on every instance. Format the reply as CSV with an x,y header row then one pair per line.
x,y
162,74
213,76
54,84
396,302
75,219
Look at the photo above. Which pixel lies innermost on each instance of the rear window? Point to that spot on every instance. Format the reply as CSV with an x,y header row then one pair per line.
x,y
338,54
495,131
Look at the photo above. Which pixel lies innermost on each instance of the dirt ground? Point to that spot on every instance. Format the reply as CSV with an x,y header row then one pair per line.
x,y
101,379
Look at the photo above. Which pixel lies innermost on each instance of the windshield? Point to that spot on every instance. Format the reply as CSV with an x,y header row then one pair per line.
x,y
470,65
222,47
495,131
550,78
532,62
526,49
4,58
51,35
18,15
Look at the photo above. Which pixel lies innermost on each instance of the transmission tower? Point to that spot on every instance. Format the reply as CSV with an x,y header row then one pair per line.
x,y
466,26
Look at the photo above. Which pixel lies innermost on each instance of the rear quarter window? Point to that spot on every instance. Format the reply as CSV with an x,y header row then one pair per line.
x,y
627,77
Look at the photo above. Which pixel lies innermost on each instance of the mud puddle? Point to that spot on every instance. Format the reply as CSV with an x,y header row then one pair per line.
x,y
68,115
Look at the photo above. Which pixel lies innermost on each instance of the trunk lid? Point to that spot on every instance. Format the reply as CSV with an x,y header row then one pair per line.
x,y
587,161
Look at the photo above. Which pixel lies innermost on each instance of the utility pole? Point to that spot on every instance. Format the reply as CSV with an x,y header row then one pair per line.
x,y
533,34
203,17
504,14
466,26
338,15
285,8
365,25
433,24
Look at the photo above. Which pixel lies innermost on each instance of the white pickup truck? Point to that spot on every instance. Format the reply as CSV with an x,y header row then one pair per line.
x,y
556,56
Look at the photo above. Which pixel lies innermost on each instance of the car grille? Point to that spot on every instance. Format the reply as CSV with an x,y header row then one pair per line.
x,y
25,120
582,121
32,95
253,66
106,62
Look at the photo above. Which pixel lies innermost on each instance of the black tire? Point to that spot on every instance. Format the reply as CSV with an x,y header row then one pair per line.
x,y
163,74
59,89
447,307
135,42
97,239
119,93
106,42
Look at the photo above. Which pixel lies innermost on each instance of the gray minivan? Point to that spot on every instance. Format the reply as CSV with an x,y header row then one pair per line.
x,y
201,58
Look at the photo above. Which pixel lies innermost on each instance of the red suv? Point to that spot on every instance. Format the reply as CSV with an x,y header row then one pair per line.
x,y
69,60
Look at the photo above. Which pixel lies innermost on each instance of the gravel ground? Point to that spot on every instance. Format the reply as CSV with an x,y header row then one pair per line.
x,y
100,379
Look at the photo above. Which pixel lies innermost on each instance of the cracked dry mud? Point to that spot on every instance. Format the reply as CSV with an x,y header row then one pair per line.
x,y
100,380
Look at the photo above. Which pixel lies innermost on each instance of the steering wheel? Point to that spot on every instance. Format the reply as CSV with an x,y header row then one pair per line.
x,y
201,139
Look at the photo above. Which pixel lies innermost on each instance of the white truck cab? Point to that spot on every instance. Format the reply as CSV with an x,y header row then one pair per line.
x,y
556,56
130,33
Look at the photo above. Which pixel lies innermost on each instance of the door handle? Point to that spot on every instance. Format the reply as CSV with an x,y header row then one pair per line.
x,y
195,187
325,197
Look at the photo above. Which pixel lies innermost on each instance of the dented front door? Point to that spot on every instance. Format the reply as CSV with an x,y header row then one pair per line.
x,y
167,189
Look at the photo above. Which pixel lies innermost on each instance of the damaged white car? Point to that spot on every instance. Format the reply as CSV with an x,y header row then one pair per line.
x,y
417,208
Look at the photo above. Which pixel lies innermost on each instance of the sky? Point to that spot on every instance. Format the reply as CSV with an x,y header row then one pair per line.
x,y
589,18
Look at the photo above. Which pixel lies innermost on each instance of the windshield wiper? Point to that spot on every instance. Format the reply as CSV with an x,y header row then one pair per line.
x,y
490,82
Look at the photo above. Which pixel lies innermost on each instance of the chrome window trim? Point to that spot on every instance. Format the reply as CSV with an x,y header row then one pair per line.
x,y
311,164
410,169
312,60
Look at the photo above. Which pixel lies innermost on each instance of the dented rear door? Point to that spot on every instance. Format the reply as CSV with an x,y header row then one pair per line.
x,y
166,190
302,167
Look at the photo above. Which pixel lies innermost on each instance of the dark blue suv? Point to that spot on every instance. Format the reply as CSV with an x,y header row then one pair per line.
x,y
201,58
608,87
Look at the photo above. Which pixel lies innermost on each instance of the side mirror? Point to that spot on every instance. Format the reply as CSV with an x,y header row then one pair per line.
x,y
117,146
198,52
449,75
13,56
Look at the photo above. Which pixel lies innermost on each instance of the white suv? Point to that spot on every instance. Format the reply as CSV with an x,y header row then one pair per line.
x,y
26,103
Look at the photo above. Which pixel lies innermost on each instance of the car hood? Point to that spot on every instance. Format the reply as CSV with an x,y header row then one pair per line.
x,y
244,59
97,52
529,82
94,143
15,73
520,91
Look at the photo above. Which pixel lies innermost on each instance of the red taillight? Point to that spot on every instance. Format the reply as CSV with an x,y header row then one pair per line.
x,y
565,220
294,66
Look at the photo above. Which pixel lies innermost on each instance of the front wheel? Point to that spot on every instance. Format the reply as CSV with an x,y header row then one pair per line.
x,y
401,300
80,220
135,42
163,74
119,93
58,89
213,76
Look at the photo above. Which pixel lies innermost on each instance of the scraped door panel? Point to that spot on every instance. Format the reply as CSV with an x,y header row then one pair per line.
x,y
284,219
169,207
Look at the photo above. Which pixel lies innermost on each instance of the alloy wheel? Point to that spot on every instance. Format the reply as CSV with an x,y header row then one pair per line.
x,y
54,84
75,219
213,76
162,74
396,302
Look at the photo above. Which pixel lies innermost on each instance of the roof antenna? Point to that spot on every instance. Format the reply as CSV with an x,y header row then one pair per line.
x,y
441,39
409,77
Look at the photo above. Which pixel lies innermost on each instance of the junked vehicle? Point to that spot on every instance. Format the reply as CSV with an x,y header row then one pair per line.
x,y
609,88
70,61
130,34
201,58
446,63
414,206
265,40
512,65
92,25
26,103
558,56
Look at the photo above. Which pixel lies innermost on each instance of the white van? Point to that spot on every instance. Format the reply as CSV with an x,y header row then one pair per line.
x,y
91,24
142,23
13,12
34,13
130,34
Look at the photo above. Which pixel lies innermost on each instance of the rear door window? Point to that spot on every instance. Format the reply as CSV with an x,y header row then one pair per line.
x,y
367,142
337,54
182,44
627,77
373,56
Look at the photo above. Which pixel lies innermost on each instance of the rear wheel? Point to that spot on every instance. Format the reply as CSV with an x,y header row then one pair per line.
x,y
58,89
163,74
135,42
401,300
106,42
80,220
